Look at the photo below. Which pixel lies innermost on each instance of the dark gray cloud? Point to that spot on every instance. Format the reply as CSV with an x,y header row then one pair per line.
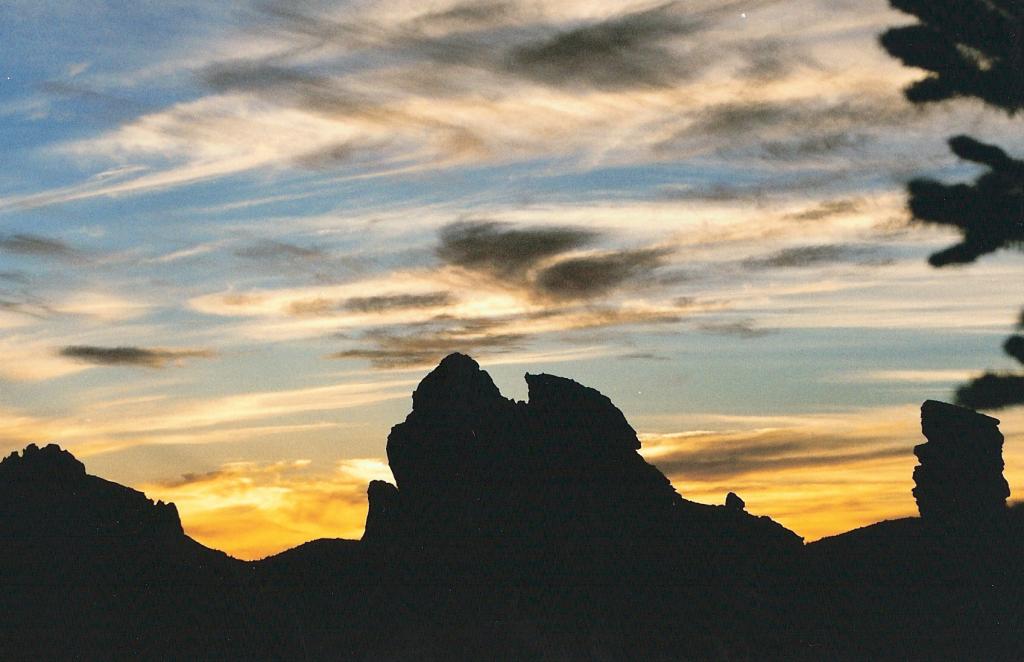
x,y
592,316
317,262
383,303
279,250
374,304
669,276
282,83
744,328
593,275
452,51
743,117
191,477
535,260
255,75
313,307
284,18
132,356
625,51
585,315
808,256
777,184
505,251
113,106
638,48
37,246
642,356
739,117
421,345
769,59
789,131
827,209
426,342
467,35
16,277
24,304
16,296
328,156
803,148
714,192
772,452
467,15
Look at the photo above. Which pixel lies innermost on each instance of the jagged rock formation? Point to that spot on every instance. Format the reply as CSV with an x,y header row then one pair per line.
x,y
960,478
548,500
473,466
382,516
48,463
734,502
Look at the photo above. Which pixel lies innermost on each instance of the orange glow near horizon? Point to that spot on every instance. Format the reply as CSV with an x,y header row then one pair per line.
x,y
254,510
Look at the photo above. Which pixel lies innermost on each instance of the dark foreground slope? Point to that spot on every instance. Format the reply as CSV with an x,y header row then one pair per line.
x,y
903,590
93,570
520,530
947,585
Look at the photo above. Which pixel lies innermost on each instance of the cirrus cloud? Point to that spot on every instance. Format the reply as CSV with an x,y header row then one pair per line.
x,y
132,356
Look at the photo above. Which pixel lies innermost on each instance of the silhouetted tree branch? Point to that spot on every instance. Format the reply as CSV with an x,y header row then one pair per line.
x,y
989,212
971,48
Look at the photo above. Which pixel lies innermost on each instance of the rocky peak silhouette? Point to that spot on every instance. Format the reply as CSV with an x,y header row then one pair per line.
x,y
34,463
734,502
475,468
544,512
47,489
457,386
960,478
382,515
579,418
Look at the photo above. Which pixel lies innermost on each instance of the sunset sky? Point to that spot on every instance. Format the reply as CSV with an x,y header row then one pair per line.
x,y
235,235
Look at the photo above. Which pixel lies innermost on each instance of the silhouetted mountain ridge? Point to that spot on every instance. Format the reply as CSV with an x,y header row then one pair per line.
x,y
521,530
52,483
90,569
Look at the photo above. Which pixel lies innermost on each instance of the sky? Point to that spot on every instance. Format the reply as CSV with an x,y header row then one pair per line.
x,y
234,236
